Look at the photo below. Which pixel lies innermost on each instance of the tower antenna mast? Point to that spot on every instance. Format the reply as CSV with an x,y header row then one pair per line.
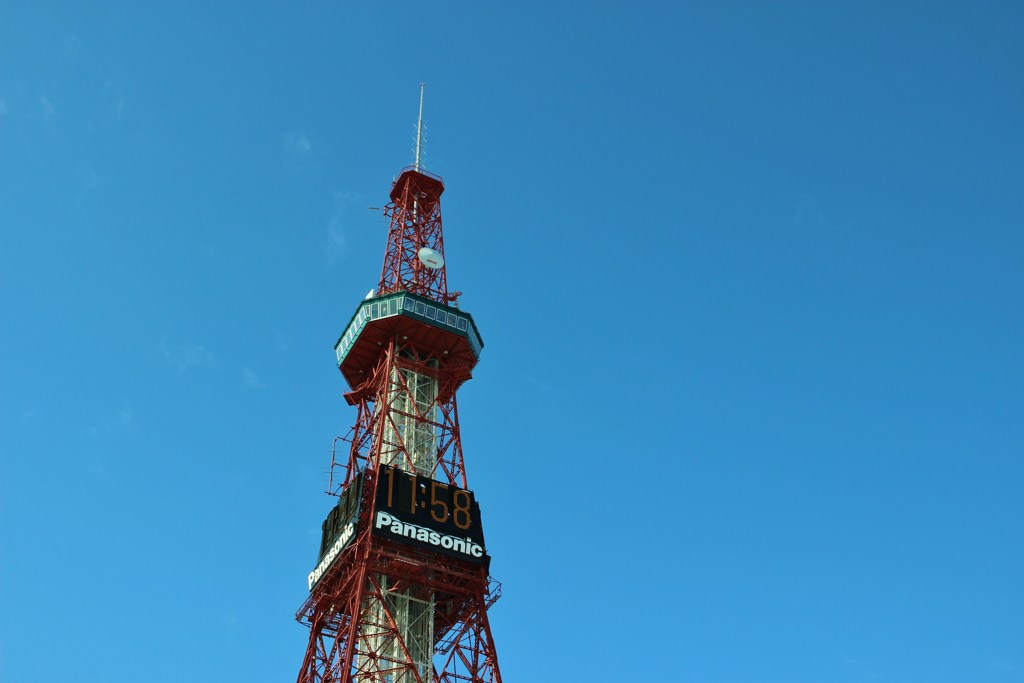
x,y
419,129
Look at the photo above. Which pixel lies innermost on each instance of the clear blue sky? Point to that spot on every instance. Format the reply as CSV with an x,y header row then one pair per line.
x,y
750,277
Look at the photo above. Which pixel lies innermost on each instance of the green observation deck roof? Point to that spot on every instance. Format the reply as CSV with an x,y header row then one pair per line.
x,y
419,308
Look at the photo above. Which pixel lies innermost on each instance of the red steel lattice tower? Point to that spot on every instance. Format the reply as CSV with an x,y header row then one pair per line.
x,y
401,587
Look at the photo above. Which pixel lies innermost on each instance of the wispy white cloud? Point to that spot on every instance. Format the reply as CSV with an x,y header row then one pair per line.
x,y
544,387
88,179
863,670
337,225
1002,665
72,45
809,213
113,97
298,154
250,379
297,144
113,422
88,175
183,357
49,111
98,469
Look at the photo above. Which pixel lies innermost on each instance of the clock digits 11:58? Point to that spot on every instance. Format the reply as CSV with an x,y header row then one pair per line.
x,y
429,503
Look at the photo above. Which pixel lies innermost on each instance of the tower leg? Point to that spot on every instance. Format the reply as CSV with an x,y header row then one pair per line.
x,y
332,633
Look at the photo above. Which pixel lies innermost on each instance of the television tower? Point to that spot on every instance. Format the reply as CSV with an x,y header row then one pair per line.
x,y
401,587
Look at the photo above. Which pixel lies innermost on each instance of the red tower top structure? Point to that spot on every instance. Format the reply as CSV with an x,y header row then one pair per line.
x,y
401,587
415,213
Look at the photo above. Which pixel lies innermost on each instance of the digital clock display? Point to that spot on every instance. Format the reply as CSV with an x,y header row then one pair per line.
x,y
429,514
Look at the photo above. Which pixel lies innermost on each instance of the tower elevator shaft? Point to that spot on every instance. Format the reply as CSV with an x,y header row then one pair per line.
x,y
409,442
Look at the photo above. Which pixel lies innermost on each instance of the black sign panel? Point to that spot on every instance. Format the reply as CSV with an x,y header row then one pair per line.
x,y
429,514
339,529
345,511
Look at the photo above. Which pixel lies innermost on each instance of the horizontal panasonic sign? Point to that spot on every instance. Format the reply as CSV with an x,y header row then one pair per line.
x,y
428,513
386,524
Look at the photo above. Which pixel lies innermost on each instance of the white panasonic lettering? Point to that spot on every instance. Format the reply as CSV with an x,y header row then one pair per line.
x,y
346,535
394,526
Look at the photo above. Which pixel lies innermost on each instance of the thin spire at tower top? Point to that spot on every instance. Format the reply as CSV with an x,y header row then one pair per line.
x,y
419,129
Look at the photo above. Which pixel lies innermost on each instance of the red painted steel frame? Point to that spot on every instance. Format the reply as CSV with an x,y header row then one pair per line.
x,y
350,594
365,437
415,212
349,605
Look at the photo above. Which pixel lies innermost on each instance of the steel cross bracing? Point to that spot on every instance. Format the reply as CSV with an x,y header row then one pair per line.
x,y
365,439
351,607
466,649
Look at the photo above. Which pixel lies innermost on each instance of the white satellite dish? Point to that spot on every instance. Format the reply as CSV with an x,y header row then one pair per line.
x,y
431,259
369,295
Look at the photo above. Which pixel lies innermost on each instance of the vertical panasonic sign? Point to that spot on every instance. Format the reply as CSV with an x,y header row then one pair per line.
x,y
347,534
338,529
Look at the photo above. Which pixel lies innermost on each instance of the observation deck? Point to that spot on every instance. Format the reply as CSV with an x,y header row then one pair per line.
x,y
448,331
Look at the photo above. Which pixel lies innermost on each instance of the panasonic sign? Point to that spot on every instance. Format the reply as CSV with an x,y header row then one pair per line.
x,y
390,525
346,536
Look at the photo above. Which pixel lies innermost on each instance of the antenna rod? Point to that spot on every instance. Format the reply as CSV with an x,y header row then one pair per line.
x,y
419,129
